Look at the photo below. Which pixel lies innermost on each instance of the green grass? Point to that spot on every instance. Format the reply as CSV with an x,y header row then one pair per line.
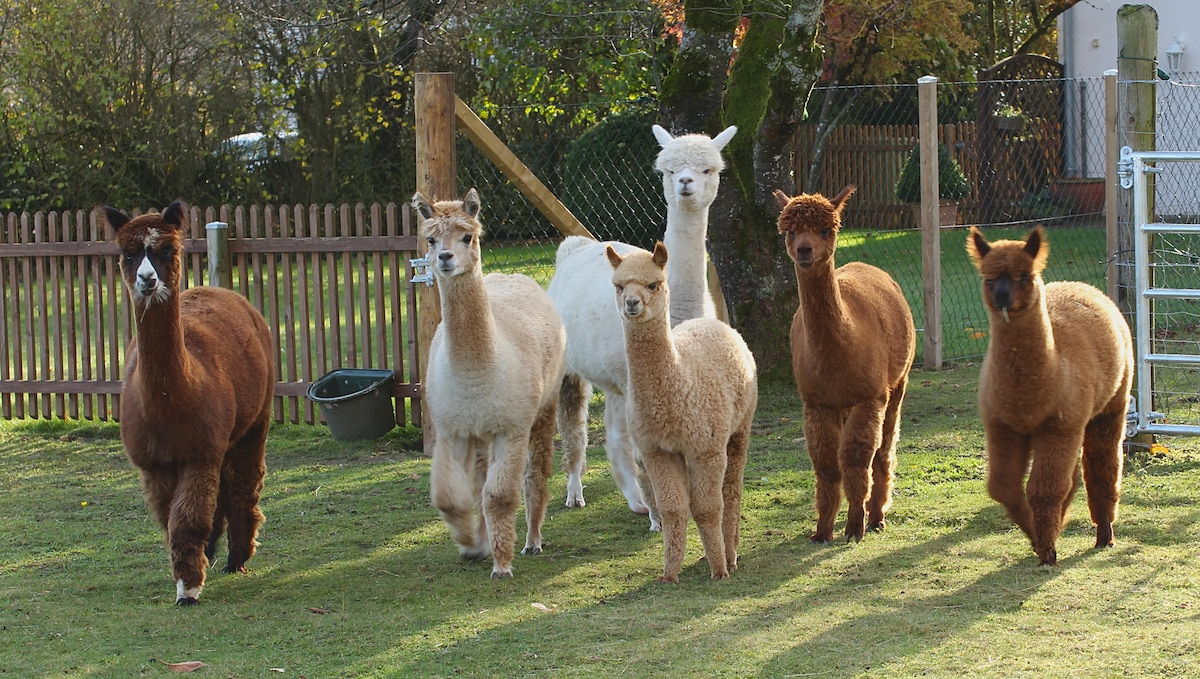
x,y
357,577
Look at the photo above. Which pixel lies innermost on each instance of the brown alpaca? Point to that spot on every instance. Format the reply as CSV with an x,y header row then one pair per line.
x,y
196,400
853,343
1055,381
692,394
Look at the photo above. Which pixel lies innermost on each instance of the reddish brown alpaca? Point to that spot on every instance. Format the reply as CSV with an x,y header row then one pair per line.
x,y
853,343
196,401
1055,380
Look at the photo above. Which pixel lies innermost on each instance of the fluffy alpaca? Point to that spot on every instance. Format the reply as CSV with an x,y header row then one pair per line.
x,y
853,343
1055,380
690,166
196,400
692,395
495,365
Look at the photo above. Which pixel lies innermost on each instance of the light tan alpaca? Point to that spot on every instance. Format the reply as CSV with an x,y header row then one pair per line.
x,y
853,343
1055,381
495,365
692,394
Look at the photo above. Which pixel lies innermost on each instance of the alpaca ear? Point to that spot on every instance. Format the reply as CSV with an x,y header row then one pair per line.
x,y
781,198
1037,247
661,135
471,203
660,254
421,204
115,218
839,201
613,257
977,246
722,139
176,214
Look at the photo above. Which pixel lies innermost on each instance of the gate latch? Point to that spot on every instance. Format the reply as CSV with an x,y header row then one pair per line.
x,y
423,273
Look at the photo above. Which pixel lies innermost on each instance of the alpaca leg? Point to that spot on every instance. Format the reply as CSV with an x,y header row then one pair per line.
x,y
453,492
618,445
1051,478
219,518
189,526
501,496
1102,470
541,465
731,489
478,455
823,432
647,491
668,475
573,398
158,488
241,485
706,478
860,439
1008,457
883,466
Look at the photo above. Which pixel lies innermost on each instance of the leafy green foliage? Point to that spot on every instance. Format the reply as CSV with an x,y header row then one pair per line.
x,y
609,180
952,184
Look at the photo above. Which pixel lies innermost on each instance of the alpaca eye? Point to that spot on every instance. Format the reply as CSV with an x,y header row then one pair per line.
x,y
467,239
708,170
989,282
653,287
825,233
620,289
431,241
1024,279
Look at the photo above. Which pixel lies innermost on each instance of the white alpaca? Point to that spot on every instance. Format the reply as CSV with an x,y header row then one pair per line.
x,y
692,394
495,367
691,166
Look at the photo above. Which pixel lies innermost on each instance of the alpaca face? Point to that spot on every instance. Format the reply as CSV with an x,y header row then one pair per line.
x,y
151,250
691,167
809,224
1011,270
451,229
640,282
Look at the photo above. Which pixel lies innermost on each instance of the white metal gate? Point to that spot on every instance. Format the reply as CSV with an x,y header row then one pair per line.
x,y
1169,279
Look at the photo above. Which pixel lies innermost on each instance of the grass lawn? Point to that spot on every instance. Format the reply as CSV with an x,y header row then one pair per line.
x,y
357,576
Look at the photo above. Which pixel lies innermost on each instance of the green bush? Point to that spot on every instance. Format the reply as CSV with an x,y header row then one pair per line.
x,y
609,181
952,184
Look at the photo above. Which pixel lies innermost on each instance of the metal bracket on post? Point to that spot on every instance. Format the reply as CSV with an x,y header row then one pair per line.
x,y
1125,167
422,268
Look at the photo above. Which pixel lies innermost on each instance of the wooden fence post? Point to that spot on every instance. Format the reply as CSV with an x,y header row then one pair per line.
x,y
437,174
220,272
931,228
1137,71
1112,186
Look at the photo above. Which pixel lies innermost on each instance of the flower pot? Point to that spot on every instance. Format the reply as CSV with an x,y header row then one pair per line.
x,y
947,213
1086,193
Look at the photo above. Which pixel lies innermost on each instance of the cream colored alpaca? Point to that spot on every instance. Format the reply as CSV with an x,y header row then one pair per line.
x,y
495,366
691,166
692,395
1055,381
853,343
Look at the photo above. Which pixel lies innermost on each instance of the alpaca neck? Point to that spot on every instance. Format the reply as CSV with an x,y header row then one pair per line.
x,y
687,267
821,304
469,328
653,359
1027,342
162,366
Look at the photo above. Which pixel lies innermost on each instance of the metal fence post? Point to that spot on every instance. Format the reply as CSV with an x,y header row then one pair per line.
x,y
220,273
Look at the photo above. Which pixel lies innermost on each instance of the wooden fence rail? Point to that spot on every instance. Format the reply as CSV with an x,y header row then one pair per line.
x,y
332,282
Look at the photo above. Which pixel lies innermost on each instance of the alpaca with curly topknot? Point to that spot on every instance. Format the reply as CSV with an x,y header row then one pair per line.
x,y
853,343
1055,381
692,392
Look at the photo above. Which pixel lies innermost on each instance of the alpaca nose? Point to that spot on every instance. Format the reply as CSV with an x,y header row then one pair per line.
x,y
633,306
445,255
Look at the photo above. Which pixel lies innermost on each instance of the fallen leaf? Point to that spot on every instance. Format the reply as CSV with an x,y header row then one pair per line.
x,y
544,608
277,669
189,666
320,611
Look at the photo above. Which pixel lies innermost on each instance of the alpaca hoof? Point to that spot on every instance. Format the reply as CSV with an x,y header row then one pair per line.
x,y
575,503
230,568
501,575
878,527
187,601
668,580
820,539
720,576
531,550
1050,560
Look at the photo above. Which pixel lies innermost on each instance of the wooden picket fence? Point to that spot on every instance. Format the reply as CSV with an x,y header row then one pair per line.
x,y
871,157
332,282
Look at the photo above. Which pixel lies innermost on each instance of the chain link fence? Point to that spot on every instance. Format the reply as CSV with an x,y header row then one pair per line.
x,y
1032,152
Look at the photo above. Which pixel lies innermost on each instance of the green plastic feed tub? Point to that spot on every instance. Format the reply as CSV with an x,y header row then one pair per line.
x,y
356,403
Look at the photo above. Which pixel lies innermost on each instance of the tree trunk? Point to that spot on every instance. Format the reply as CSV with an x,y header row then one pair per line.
x,y
767,88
